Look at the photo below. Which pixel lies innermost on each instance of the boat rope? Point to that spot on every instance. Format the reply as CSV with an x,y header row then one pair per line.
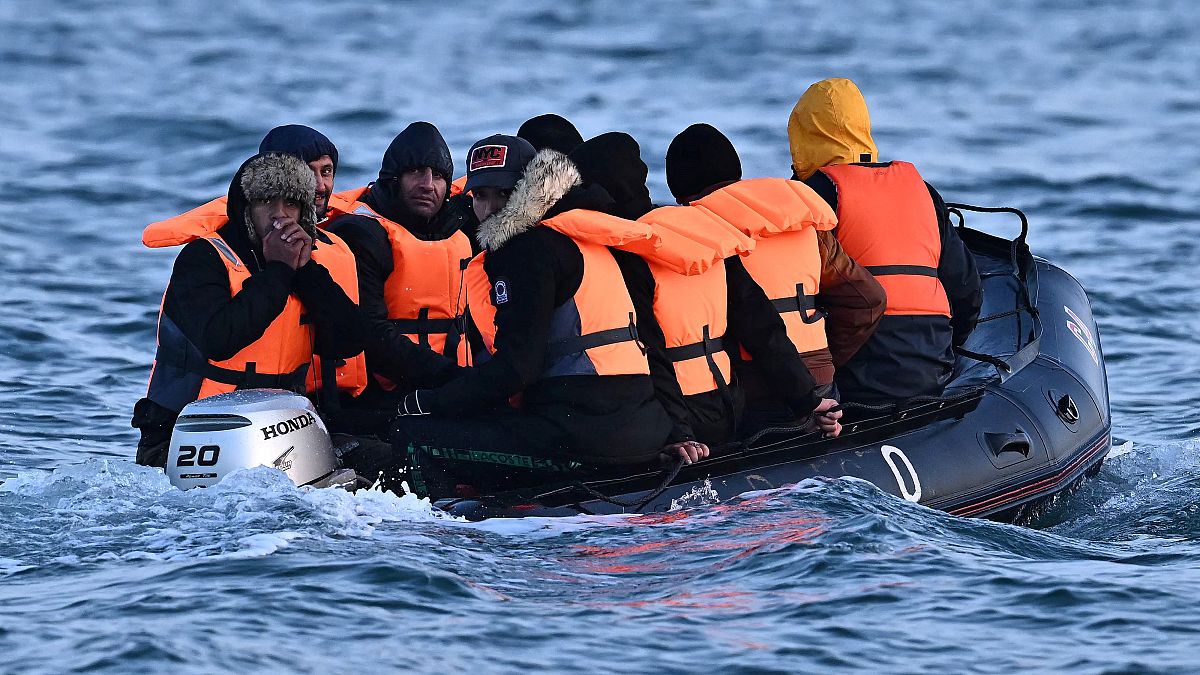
x,y
986,358
635,504
891,407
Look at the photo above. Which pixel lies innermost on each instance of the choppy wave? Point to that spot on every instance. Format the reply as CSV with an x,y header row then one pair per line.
x,y
116,115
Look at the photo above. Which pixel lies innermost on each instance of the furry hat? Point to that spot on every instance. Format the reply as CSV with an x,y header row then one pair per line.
x,y
278,175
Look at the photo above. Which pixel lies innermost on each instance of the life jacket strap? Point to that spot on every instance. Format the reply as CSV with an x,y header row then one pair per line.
x,y
582,343
801,302
910,270
695,350
423,327
706,347
251,379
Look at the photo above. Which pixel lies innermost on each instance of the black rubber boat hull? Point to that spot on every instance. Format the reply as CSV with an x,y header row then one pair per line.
x,y
997,445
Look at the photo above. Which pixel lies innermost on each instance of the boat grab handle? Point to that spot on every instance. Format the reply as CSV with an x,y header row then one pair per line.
x,y
1002,442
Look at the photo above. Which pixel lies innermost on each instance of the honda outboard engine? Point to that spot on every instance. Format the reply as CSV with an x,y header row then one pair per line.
x,y
248,428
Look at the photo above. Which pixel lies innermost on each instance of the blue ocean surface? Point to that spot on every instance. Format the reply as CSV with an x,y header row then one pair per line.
x,y
1086,115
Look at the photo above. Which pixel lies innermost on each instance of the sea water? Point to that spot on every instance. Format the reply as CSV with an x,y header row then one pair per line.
x,y
1085,115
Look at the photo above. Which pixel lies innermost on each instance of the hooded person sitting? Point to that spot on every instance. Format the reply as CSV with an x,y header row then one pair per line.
x,y
339,381
249,305
558,322
895,225
688,304
839,303
410,252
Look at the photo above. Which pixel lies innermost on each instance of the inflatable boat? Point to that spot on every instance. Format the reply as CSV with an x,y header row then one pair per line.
x,y
1025,418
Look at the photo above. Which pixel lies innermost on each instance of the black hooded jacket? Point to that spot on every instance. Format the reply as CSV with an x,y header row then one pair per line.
x,y
609,418
219,324
389,351
198,296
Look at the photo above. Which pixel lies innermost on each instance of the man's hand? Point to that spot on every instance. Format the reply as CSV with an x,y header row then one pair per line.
x,y
275,249
298,241
827,418
287,243
305,252
688,451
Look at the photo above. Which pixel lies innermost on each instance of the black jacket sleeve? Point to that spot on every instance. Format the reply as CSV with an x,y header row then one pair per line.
x,y
541,270
339,327
758,328
389,352
641,285
198,301
959,275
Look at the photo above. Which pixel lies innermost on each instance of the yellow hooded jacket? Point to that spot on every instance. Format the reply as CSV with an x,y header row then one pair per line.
x,y
830,125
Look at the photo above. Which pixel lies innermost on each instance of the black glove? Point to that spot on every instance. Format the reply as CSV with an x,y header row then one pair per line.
x,y
411,405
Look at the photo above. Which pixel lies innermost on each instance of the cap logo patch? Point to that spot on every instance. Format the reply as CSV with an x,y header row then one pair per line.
x,y
486,156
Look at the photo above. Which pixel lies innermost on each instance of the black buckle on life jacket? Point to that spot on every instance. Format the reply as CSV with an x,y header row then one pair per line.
x,y
695,350
707,347
423,327
803,303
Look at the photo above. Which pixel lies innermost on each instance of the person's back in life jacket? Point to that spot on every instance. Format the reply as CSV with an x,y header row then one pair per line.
x,y
248,305
896,226
411,256
680,289
548,298
790,288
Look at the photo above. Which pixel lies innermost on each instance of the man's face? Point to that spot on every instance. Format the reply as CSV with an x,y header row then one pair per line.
x,y
488,200
266,213
423,190
323,169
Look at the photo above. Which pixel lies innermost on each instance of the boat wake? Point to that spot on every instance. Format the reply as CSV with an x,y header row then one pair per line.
x,y
102,510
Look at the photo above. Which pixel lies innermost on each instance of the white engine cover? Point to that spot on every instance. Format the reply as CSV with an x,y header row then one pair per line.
x,y
248,428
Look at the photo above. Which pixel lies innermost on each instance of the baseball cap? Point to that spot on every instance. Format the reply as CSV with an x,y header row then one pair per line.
x,y
497,161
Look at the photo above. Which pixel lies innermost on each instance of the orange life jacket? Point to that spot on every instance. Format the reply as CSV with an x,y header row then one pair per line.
x,y
692,309
783,217
887,223
693,314
210,217
349,375
457,185
424,292
280,358
595,332
334,255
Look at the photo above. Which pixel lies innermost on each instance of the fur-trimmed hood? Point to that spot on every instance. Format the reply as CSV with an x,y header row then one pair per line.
x,y
549,176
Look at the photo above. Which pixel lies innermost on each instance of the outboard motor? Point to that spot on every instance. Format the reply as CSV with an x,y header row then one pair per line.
x,y
248,428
